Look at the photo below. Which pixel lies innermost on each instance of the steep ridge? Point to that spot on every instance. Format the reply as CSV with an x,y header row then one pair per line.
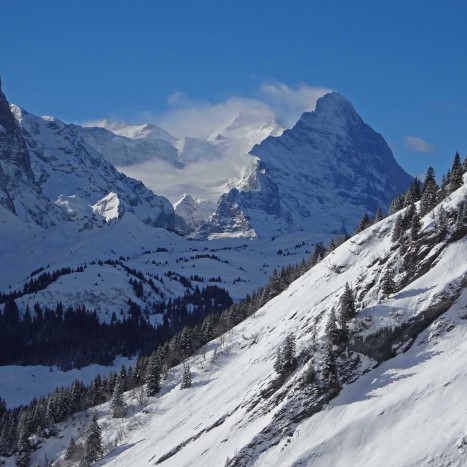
x,y
19,191
320,175
65,166
240,412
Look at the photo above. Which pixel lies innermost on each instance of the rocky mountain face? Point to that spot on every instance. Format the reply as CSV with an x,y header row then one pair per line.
x,y
321,175
19,191
49,174
192,212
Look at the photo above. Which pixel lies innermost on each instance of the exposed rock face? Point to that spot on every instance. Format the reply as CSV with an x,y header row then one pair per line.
x,y
322,175
191,212
19,192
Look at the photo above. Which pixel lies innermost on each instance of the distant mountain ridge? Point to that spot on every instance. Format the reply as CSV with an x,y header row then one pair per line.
x,y
322,174
48,174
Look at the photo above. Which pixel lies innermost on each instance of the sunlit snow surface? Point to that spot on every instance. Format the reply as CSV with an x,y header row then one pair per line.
x,y
410,410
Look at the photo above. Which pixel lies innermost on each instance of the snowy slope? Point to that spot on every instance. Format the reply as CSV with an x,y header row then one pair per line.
x,y
242,265
322,174
236,412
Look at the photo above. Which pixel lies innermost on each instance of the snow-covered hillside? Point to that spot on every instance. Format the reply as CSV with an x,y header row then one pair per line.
x,y
402,373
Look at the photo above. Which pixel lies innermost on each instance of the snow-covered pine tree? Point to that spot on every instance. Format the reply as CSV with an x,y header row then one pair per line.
x,y
461,215
429,197
153,375
186,378
317,255
92,442
388,285
185,342
117,404
455,178
379,216
207,330
279,362
442,221
289,353
331,328
364,223
397,230
23,446
347,304
328,365
413,194
396,204
415,227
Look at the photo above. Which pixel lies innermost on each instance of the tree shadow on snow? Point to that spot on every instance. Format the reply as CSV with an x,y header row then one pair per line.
x,y
366,386
412,292
118,450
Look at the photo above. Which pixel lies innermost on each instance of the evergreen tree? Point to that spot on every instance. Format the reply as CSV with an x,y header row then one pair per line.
x,y
461,215
286,359
207,330
397,230
363,224
329,367
455,178
279,361
117,404
23,447
317,255
396,204
289,353
379,216
347,304
92,442
429,197
331,328
186,378
153,375
442,221
388,286
415,227
413,194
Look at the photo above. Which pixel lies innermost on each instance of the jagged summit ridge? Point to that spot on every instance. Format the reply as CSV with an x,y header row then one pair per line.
x,y
321,174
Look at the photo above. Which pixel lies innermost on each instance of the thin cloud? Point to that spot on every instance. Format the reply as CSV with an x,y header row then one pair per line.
x,y
417,144
197,118
290,102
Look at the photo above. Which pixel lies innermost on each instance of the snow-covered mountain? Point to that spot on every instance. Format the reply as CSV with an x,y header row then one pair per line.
x,y
321,175
64,166
401,375
193,211
177,165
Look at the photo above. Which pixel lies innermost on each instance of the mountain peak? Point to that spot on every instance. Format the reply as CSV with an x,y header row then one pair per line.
x,y
333,112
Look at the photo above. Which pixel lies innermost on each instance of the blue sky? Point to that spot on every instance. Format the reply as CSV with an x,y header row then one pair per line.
x,y
403,64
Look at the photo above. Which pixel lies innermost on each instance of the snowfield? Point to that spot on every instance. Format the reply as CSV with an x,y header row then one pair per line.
x,y
408,410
